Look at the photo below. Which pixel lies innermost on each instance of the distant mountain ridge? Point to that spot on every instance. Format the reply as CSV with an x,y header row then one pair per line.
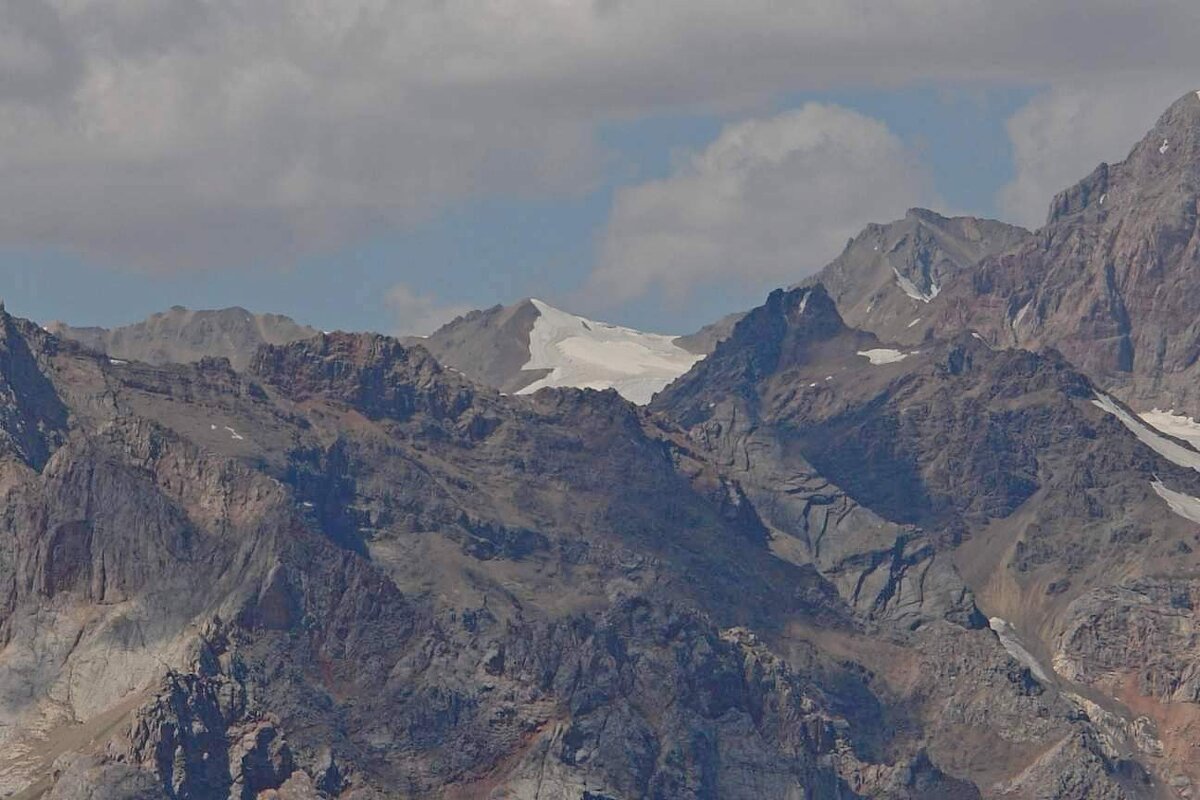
x,y
181,335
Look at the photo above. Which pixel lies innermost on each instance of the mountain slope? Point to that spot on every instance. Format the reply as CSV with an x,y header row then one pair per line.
x,y
180,335
529,345
349,571
910,476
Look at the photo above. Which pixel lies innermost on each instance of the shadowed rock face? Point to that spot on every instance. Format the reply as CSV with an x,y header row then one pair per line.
x,y
180,335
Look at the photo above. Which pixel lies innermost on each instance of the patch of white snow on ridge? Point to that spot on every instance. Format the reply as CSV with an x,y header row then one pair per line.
x,y
1021,314
1173,424
1012,643
1164,146
883,355
914,322
803,302
1182,504
595,355
911,289
234,434
1172,451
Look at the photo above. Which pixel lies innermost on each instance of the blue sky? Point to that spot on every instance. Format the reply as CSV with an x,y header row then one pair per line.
x,y
499,249
381,164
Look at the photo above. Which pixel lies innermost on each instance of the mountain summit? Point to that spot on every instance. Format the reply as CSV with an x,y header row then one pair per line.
x,y
182,335
529,345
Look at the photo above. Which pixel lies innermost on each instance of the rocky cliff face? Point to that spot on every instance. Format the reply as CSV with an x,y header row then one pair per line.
x,y
1110,281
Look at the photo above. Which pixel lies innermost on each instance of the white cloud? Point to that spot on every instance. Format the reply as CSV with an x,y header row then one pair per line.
x,y
418,314
169,134
769,201
1066,131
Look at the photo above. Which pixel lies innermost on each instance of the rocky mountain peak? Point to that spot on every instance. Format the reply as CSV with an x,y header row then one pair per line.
x,y
376,375
889,274
1158,179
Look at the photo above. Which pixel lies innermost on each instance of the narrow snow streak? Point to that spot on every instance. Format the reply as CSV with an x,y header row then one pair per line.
x,y
1021,315
914,322
1173,424
882,355
1172,451
234,434
595,355
1012,643
1182,504
911,289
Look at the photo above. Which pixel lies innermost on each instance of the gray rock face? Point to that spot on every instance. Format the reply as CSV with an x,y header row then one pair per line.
x,y
492,346
888,275
181,335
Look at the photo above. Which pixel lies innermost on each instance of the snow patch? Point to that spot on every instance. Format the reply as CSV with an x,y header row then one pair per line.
x,y
234,434
1182,504
883,355
1163,147
910,288
595,355
1172,451
1021,314
117,361
1103,197
1173,424
1012,643
914,322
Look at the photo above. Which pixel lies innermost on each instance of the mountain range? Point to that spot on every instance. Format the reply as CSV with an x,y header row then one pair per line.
x,y
923,525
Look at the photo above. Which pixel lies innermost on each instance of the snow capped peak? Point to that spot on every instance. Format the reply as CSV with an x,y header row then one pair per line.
x,y
598,355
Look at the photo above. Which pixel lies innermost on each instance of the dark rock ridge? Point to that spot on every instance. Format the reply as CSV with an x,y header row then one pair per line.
x,y
182,335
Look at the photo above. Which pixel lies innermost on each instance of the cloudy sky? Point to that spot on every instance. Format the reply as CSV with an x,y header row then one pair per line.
x,y
384,164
